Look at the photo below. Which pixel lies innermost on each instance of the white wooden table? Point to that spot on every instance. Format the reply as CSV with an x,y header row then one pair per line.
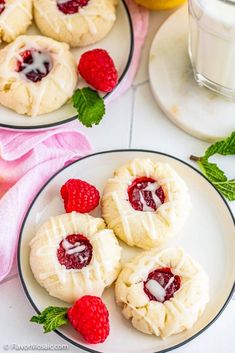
x,y
133,121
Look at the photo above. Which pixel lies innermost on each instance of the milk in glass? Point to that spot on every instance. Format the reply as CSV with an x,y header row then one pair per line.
x,y
212,44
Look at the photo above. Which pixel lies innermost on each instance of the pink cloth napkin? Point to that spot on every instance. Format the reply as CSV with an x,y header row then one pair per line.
x,y
29,159
27,162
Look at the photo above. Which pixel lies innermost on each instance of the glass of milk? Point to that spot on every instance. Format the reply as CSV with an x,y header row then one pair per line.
x,y
212,44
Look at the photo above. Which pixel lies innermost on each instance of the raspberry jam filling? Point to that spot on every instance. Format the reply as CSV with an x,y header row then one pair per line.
x,y
69,7
2,6
145,194
162,284
74,252
35,64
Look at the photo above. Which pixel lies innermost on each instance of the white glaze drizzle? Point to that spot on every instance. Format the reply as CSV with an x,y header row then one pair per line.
x,y
62,228
156,290
151,226
152,187
38,95
72,249
38,63
123,216
170,282
146,208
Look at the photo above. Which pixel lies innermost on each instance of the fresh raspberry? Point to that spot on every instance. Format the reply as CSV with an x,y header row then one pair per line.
x,y
70,7
75,252
170,282
98,69
145,190
27,65
79,196
90,317
2,6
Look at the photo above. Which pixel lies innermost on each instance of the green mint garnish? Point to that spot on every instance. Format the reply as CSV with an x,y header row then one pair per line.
x,y
51,318
213,172
89,105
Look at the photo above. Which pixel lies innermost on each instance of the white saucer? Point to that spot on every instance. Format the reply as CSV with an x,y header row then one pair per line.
x,y
208,235
194,109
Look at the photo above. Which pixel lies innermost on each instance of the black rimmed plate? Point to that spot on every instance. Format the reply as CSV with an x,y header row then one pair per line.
x,y
208,235
120,50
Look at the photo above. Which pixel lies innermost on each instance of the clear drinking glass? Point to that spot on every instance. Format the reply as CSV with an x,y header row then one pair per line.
x,y
212,44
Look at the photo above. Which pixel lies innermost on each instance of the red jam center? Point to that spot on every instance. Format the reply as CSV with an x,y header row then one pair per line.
x,y
35,65
166,286
2,6
69,7
145,194
74,252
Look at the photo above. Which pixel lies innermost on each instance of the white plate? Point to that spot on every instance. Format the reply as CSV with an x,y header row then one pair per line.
x,y
195,109
120,50
208,235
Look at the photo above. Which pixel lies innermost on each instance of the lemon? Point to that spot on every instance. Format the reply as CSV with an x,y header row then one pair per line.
x,y
160,4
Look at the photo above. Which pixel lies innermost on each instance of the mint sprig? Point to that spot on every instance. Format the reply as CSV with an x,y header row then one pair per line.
x,y
89,105
213,172
51,318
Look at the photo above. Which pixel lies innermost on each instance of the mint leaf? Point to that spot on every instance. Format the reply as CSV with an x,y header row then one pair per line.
x,y
224,147
227,189
213,172
89,105
51,318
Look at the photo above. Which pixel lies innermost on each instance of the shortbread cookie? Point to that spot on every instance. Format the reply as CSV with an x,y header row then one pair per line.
x,y
162,292
15,18
37,75
76,22
145,203
74,255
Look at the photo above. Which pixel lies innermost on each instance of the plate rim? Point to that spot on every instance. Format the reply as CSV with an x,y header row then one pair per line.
x,y
58,123
63,336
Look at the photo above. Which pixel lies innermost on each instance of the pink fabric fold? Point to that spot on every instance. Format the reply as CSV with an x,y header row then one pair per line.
x,y
29,159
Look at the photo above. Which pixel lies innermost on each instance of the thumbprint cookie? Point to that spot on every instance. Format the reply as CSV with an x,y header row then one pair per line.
x,y
37,75
73,255
145,203
76,22
162,292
